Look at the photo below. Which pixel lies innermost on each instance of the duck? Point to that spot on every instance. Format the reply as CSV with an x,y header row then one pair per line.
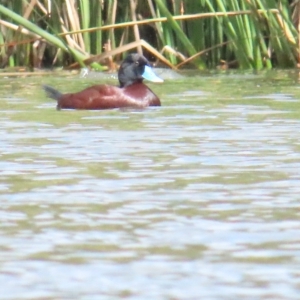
x,y
131,92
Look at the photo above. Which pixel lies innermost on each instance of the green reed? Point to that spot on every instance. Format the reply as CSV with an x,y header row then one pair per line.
x,y
251,34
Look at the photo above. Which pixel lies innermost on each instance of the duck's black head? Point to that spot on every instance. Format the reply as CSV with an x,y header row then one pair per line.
x,y
135,68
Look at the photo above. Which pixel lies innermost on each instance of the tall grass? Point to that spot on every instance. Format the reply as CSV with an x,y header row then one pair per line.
x,y
251,34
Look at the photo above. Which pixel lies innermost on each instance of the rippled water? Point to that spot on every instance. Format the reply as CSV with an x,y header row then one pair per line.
x,y
198,199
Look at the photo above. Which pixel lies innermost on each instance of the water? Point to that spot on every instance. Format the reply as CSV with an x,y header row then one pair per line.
x,y
197,199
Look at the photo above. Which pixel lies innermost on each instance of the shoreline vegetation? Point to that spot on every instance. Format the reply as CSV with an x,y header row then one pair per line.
x,y
201,34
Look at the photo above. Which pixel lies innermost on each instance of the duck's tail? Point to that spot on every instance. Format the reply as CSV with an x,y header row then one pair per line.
x,y
51,92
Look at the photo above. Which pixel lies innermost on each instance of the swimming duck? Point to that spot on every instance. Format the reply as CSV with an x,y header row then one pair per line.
x,y
132,92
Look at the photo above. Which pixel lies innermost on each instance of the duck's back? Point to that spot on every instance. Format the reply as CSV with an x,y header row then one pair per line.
x,y
94,97
103,96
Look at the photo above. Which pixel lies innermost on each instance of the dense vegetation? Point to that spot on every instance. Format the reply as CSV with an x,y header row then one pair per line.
x,y
202,33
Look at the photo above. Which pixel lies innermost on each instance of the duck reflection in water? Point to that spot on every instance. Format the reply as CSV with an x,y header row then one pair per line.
x,y
132,92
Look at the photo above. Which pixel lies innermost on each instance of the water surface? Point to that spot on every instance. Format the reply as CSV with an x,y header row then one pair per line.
x,y
197,199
